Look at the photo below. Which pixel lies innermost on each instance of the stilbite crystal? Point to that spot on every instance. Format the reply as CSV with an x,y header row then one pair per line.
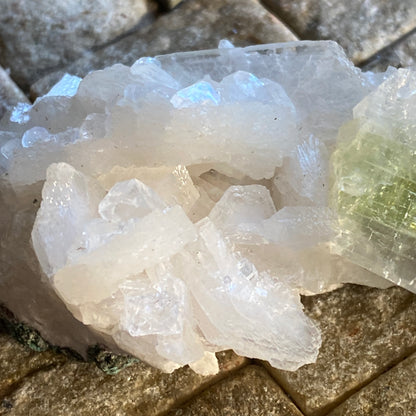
x,y
185,202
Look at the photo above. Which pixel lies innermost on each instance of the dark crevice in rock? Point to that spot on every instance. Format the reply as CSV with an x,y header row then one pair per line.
x,y
267,367
168,5
350,393
384,53
219,378
329,408
22,332
108,362
23,90
9,390
282,19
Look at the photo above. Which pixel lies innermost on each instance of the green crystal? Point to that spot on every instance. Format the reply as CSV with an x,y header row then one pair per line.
x,y
374,194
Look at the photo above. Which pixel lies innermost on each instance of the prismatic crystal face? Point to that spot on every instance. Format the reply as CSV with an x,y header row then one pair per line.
x,y
180,206
375,182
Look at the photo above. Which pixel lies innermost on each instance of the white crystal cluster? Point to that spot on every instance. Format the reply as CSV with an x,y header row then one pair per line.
x,y
184,201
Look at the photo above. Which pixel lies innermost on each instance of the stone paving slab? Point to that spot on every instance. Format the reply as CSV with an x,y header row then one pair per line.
x,y
364,332
10,93
392,394
39,36
17,362
193,25
53,385
399,54
361,27
251,391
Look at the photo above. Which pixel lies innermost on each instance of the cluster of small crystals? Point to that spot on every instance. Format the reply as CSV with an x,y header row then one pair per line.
x,y
184,200
375,182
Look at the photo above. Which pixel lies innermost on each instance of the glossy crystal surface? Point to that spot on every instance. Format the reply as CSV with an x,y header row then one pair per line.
x,y
181,206
375,182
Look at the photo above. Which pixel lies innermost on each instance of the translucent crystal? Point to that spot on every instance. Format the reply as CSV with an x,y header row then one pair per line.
x,y
241,211
299,227
174,185
236,285
153,308
20,113
129,199
375,182
140,244
35,135
66,87
200,93
303,178
69,201
180,206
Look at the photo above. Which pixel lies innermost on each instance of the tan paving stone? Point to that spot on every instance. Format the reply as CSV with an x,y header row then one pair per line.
x,y
17,362
193,25
400,54
249,392
37,36
364,332
392,394
76,388
10,94
361,27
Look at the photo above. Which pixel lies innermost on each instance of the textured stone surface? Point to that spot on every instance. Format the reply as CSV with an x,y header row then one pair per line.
x,y
10,93
38,37
17,362
243,22
361,27
364,332
392,394
399,54
249,392
77,388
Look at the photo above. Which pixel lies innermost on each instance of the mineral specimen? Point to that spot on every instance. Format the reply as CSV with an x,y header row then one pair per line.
x,y
179,207
375,182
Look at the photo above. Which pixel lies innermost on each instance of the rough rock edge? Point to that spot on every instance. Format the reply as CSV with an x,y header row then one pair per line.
x,y
108,362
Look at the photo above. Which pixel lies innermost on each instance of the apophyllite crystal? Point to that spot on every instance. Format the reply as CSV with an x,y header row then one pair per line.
x,y
179,207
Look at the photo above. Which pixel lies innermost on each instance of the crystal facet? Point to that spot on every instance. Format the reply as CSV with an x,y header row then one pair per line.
x,y
188,201
375,182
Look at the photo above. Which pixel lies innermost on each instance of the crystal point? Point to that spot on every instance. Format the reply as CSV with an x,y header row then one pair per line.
x,y
129,199
180,207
